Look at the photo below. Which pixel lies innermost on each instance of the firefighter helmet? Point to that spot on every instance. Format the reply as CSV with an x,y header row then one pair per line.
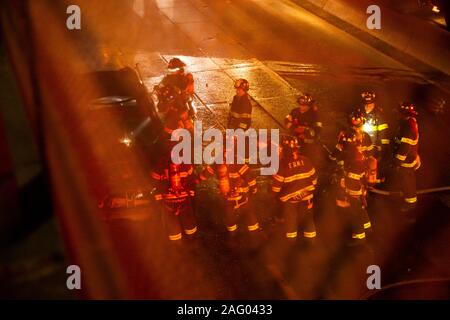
x,y
408,109
288,146
290,142
242,84
352,142
305,100
357,118
175,64
349,137
368,97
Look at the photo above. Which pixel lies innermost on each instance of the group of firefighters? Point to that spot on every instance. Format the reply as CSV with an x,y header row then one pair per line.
x,y
362,156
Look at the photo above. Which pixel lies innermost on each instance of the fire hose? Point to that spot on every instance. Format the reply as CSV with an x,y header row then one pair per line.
x,y
423,191
369,294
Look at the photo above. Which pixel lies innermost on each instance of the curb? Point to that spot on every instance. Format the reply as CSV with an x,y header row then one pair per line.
x,y
424,47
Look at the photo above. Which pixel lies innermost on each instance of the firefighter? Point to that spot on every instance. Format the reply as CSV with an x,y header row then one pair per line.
x,y
175,189
406,156
240,116
294,186
303,122
181,82
175,111
236,185
357,166
377,127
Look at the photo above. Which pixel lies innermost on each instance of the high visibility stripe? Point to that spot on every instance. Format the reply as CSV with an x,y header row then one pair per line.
x,y
253,227
232,228
355,176
276,189
400,157
242,189
175,237
278,178
190,231
319,124
252,183
191,192
342,203
185,174
314,182
300,176
210,169
385,141
291,235
243,169
234,175
410,165
418,163
243,125
240,115
156,176
409,141
367,225
173,196
308,197
367,148
359,235
354,192
411,200
158,197
297,193
238,197
382,127
310,234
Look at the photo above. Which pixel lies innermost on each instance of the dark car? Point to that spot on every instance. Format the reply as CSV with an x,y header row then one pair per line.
x,y
122,129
